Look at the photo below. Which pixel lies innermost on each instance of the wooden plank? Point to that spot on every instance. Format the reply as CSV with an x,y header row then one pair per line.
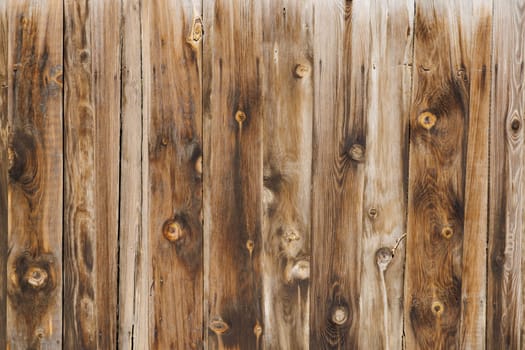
x,y
446,248
92,132
386,167
288,111
505,281
4,173
341,75
34,311
173,117
133,288
233,116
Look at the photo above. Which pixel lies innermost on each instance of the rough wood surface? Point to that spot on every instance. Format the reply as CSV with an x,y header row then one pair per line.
x,y
507,194
173,117
341,70
34,314
233,179
4,171
133,288
288,113
92,133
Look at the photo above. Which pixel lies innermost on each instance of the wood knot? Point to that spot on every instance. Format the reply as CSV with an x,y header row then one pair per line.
x,y
383,257
257,329
174,230
164,141
357,153
240,117
250,245
218,326
197,29
447,232
198,165
299,271
437,308
36,277
515,124
372,213
339,315
427,120
301,70
291,236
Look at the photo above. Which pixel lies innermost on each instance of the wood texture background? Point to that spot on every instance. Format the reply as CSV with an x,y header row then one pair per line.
x,y
245,174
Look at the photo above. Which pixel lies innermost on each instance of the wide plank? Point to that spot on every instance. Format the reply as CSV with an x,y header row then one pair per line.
x,y
173,120
233,77
34,252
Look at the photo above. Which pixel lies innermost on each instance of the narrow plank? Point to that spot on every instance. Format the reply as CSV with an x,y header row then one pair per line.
x,y
288,111
505,281
173,117
92,132
386,168
445,277
4,173
34,310
474,272
233,182
133,290
341,75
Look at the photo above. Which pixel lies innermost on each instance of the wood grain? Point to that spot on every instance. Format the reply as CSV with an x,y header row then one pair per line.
x,y
4,173
444,295
389,63
92,134
288,113
173,117
341,71
233,179
133,281
34,311
506,222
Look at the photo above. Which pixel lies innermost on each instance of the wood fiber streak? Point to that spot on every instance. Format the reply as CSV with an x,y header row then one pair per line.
x,y
4,171
386,164
288,113
133,281
341,68
448,176
507,194
34,258
172,111
233,183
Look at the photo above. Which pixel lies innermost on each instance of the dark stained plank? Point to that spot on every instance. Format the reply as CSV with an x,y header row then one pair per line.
x,y
233,179
133,288
386,167
446,242
34,311
173,118
4,171
288,113
505,319
341,74
92,134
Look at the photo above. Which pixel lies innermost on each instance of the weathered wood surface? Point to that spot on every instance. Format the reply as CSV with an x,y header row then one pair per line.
x,y
34,251
507,194
241,174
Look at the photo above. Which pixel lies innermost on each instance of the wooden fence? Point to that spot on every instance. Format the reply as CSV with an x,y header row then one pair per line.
x,y
240,174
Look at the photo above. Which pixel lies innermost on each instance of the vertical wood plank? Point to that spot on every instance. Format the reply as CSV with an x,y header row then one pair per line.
x,y
233,115
92,152
34,315
4,171
288,113
446,248
133,290
506,221
341,69
386,167
173,114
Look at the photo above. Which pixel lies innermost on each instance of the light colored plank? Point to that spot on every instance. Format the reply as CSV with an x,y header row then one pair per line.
x,y
173,117
386,167
233,157
133,288
507,191
92,134
288,113
34,310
